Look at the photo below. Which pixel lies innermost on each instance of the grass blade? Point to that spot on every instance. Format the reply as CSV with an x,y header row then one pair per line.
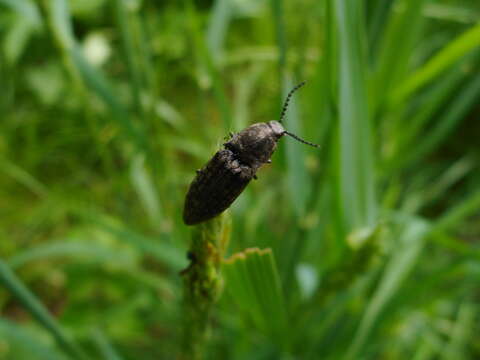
x,y
356,193
401,263
456,112
281,38
143,184
77,249
253,282
23,344
61,25
397,45
165,252
380,10
38,311
26,8
461,332
23,177
408,133
127,37
207,65
446,57
99,84
105,347
459,213
218,28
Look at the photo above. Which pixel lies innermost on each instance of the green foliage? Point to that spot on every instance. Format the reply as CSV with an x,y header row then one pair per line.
x,y
253,284
369,244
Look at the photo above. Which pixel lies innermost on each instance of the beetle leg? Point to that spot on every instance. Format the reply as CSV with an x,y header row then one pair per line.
x,y
255,177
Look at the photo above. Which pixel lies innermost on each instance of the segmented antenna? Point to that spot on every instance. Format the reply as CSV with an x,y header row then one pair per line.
x,y
287,100
284,111
300,139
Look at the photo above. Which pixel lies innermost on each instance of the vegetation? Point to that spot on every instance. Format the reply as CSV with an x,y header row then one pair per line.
x,y
367,248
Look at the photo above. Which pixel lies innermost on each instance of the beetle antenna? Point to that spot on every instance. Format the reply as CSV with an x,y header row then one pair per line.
x,y
287,100
300,139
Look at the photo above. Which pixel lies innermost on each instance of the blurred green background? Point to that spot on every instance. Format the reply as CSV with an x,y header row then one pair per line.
x,y
108,107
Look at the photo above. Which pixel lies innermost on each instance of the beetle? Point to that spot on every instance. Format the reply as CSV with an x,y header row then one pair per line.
x,y
225,176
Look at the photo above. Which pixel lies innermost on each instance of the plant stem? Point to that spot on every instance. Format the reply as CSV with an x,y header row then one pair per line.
x,y
203,282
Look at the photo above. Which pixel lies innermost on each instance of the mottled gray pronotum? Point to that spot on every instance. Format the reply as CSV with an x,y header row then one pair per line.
x,y
226,175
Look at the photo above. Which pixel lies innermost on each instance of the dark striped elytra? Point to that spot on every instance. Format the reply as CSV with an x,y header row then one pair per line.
x,y
226,175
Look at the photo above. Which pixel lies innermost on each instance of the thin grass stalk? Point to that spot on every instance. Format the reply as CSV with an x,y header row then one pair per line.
x,y
356,168
128,45
281,38
31,303
58,18
207,64
203,283
104,346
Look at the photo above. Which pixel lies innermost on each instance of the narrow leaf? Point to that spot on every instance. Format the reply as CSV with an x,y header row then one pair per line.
x,y
446,57
253,282
356,190
38,311
398,267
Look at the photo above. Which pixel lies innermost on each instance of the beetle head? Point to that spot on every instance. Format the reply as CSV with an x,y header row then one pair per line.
x,y
276,128
255,145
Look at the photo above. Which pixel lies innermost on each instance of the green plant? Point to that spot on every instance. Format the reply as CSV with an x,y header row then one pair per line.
x,y
107,109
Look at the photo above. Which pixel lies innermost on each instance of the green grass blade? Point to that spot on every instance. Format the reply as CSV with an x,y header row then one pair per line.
x,y
163,251
407,134
277,7
38,311
459,212
218,28
253,282
425,351
466,15
356,179
398,267
206,64
455,113
461,332
245,86
23,177
380,10
76,252
397,45
16,40
127,37
96,81
440,62
147,193
61,25
77,249
24,344
104,346
450,176
26,8
324,87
